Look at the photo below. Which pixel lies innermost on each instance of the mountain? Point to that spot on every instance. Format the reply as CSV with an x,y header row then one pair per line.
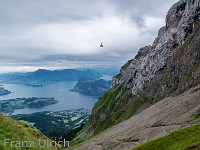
x,y
42,77
173,113
64,75
92,87
157,91
111,71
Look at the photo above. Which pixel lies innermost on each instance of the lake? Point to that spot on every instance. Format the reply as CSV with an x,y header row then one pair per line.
x,y
59,90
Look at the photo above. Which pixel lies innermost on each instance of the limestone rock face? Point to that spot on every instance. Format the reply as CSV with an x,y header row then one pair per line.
x,y
144,50
180,22
161,32
115,81
175,13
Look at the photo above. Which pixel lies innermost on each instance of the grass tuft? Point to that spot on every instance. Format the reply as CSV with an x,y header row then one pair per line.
x,y
183,139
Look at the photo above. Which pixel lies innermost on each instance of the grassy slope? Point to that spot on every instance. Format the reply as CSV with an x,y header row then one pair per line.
x,y
117,104
17,131
184,139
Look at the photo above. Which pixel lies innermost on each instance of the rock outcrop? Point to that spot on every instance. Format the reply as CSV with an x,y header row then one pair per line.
x,y
180,22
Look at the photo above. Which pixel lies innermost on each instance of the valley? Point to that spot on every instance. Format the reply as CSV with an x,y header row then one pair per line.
x,y
56,125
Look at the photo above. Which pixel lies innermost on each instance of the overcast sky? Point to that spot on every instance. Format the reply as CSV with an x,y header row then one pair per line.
x,y
56,34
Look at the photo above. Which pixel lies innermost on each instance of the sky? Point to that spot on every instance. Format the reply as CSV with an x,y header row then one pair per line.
x,y
61,34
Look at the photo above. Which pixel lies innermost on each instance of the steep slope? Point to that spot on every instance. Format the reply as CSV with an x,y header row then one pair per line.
x,y
162,118
17,131
169,67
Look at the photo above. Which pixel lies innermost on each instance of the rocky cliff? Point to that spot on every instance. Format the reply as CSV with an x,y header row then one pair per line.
x,y
180,22
169,67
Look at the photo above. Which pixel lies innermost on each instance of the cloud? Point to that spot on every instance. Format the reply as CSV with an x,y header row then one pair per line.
x,y
66,34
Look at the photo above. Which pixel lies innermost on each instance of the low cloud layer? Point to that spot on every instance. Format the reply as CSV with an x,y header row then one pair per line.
x,y
67,33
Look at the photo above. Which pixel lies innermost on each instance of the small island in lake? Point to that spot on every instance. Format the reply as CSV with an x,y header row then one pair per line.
x,y
4,91
92,87
9,106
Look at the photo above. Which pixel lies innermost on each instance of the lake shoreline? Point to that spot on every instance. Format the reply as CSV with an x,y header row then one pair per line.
x,y
59,90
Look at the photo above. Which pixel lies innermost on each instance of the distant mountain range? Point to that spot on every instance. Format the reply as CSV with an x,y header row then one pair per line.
x,y
110,71
42,77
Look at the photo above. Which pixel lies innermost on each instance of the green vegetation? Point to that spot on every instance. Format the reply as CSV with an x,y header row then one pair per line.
x,y
4,91
157,99
188,138
106,104
119,76
76,142
80,140
127,64
138,56
9,106
195,90
57,125
92,87
195,120
111,146
113,107
143,52
17,131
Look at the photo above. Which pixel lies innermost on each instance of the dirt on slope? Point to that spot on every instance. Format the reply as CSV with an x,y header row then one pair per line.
x,y
160,119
